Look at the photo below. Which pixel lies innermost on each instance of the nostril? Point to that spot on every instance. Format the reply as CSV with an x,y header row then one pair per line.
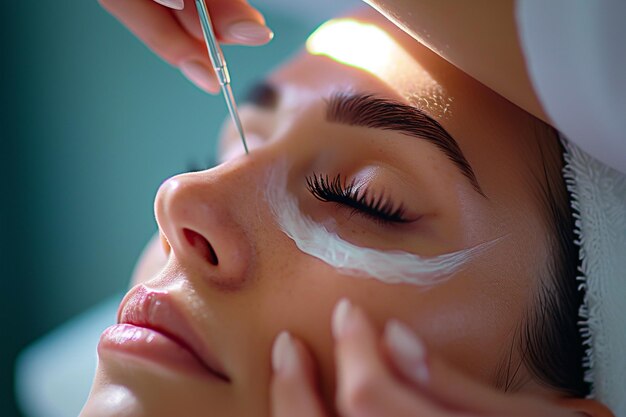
x,y
204,248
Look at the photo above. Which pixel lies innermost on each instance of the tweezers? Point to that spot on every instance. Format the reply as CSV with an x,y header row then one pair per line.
x,y
219,65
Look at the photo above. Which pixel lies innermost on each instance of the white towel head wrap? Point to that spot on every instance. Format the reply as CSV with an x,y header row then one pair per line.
x,y
598,199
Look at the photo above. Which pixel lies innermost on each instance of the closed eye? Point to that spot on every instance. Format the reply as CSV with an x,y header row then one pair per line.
x,y
337,190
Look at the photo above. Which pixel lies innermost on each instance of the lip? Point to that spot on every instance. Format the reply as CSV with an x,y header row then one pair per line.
x,y
153,327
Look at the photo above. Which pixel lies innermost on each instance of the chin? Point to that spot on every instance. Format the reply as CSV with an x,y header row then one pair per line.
x,y
131,389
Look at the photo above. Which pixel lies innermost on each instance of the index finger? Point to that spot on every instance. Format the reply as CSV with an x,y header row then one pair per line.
x,y
293,388
234,21
176,36
366,387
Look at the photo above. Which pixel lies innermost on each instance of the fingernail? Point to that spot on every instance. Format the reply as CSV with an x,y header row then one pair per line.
x,y
249,32
407,350
173,4
340,317
199,74
284,356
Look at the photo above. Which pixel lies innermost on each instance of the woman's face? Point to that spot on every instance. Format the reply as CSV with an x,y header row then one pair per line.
x,y
228,274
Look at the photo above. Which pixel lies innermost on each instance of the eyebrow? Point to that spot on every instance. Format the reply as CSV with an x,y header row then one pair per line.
x,y
367,110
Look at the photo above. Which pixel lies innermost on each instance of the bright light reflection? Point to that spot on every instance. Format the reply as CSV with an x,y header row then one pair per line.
x,y
353,43
369,48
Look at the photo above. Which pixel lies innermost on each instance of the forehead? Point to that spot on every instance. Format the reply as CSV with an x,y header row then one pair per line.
x,y
362,47
366,45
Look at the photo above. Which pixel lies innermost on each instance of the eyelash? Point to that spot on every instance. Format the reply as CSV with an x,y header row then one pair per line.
x,y
360,199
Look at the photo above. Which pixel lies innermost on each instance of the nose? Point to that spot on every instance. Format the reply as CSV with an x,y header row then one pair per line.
x,y
196,215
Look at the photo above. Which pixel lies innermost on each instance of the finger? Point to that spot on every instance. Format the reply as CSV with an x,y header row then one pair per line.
x,y
234,21
172,4
366,387
293,387
433,377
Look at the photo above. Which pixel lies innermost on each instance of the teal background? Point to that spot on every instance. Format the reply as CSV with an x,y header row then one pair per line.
x,y
91,124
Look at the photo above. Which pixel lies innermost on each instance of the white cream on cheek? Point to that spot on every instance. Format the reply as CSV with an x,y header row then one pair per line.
x,y
390,266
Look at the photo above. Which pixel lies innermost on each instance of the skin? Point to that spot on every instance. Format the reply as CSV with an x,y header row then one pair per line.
x,y
263,284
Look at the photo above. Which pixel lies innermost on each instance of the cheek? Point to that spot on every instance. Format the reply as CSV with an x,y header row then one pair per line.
x,y
471,320
302,301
